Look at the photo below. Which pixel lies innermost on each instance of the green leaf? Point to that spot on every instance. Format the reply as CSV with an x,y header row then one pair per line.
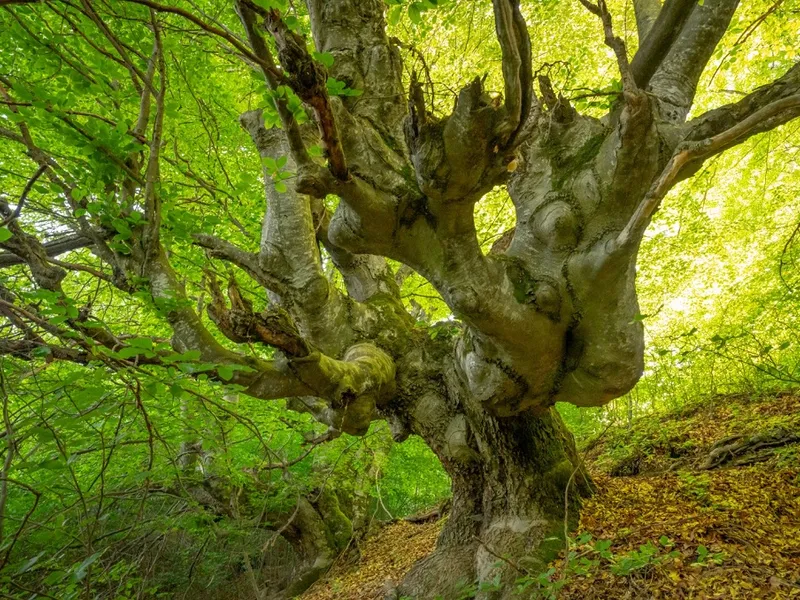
x,y
415,12
291,22
270,164
122,228
394,15
5,234
28,564
141,342
55,577
43,434
53,464
80,572
326,58
225,373
130,352
335,87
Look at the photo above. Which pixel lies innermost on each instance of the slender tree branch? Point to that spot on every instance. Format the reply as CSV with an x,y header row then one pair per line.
x,y
515,43
697,151
247,261
308,80
231,39
270,73
615,43
21,202
152,200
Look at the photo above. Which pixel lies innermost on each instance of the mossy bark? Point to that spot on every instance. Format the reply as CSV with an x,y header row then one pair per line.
x,y
514,497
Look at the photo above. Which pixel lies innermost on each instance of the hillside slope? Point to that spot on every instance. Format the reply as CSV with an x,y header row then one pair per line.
x,y
701,503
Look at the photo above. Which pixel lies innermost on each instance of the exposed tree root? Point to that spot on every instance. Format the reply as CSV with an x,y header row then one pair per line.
x,y
741,450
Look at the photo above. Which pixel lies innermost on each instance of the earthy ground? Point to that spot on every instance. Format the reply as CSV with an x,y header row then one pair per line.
x,y
660,526
387,555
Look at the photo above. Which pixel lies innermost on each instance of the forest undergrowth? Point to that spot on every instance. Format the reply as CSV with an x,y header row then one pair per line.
x,y
679,512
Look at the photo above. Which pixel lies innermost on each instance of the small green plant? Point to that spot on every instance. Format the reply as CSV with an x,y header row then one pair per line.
x,y
706,558
587,556
647,556
541,586
695,486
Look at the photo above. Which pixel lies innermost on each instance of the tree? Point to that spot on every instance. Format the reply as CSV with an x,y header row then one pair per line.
x,y
360,176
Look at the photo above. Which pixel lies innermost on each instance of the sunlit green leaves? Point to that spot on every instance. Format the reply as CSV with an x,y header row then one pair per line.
x,y
279,5
274,168
326,58
339,88
414,9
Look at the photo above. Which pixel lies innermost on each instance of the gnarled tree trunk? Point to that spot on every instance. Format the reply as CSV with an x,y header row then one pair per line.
x,y
550,316
512,480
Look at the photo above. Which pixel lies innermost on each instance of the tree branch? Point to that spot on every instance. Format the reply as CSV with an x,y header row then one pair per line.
x,y
273,78
231,39
247,261
152,201
674,82
725,117
615,43
24,196
693,152
515,44
272,327
659,36
646,12
308,79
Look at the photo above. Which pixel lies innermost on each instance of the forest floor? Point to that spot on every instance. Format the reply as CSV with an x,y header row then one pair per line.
x,y
659,524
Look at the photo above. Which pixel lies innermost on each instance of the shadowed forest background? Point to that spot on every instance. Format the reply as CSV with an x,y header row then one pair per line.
x,y
125,479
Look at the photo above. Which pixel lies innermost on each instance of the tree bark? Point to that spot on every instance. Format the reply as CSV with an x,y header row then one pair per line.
x,y
516,483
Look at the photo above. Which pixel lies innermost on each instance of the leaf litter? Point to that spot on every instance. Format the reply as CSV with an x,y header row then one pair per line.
x,y
728,533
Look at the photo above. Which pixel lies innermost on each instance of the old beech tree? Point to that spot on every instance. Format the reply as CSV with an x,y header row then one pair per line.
x,y
549,315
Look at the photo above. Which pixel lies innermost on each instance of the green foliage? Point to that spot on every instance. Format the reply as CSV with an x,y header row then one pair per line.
x,y
413,9
413,479
339,88
696,486
707,558
588,556
102,450
99,488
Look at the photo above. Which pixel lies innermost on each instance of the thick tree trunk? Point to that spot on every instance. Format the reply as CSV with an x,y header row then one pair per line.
x,y
508,513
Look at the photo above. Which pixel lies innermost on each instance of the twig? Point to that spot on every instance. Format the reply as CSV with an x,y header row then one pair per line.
x,y
15,214
615,43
